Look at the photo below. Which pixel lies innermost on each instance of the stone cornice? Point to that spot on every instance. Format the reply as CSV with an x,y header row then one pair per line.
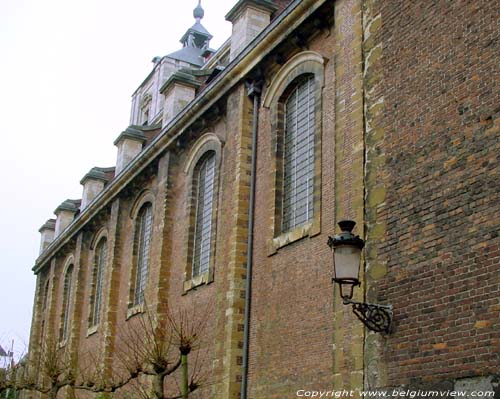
x,y
131,133
48,225
182,77
263,44
235,12
68,205
95,174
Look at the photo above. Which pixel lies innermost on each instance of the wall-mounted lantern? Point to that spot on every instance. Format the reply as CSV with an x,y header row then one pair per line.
x,y
346,264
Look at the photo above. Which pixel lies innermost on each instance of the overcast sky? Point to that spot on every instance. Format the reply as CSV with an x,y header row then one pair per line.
x,y
67,72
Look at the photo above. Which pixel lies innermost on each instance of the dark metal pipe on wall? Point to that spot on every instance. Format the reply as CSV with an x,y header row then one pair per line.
x,y
253,91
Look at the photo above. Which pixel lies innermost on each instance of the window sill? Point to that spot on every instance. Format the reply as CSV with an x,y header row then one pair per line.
x,y
309,229
201,279
133,310
92,330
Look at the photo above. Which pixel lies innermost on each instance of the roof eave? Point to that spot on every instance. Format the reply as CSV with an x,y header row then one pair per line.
x,y
264,43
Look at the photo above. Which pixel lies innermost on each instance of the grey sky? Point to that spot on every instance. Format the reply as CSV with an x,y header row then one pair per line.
x,y
67,71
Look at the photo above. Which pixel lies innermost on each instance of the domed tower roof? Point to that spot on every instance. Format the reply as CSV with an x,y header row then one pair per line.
x,y
195,41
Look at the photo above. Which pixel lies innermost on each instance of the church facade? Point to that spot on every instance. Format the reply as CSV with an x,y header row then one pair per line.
x,y
235,169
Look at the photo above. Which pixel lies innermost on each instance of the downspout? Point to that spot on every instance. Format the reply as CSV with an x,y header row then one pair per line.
x,y
253,91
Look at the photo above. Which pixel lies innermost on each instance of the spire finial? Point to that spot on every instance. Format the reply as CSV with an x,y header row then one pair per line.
x,y
198,12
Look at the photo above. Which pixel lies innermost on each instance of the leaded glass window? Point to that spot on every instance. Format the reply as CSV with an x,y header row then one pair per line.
x,y
298,161
45,295
204,203
68,278
143,236
99,266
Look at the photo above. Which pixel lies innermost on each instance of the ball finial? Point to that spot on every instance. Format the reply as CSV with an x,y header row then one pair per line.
x,y
198,12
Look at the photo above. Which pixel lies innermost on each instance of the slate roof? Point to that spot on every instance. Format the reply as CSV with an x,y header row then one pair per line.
x,y
191,55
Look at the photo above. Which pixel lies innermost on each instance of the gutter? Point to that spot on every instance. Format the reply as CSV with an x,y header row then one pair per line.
x,y
263,44
254,90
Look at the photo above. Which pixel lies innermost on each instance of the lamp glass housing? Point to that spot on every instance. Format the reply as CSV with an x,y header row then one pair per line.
x,y
346,260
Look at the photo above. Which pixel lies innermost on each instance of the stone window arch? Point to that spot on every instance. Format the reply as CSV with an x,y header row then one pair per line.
x,y
294,98
202,170
298,154
45,298
45,302
146,109
66,301
142,214
99,263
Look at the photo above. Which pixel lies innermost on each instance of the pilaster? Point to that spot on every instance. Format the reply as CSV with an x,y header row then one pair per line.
x,y
51,310
161,248
65,214
348,367
47,232
80,271
129,144
36,320
179,90
376,268
234,298
249,18
112,286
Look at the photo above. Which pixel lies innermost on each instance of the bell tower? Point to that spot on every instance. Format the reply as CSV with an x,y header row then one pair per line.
x,y
195,41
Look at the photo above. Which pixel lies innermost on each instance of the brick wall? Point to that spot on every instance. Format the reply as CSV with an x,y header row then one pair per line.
x,y
423,187
432,96
301,337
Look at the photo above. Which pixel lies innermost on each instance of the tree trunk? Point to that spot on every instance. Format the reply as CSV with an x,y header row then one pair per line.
x,y
53,392
158,386
184,382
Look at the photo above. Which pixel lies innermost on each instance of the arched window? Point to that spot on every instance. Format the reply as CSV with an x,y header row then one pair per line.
x,y
68,279
45,298
98,275
298,155
203,195
294,99
202,169
142,245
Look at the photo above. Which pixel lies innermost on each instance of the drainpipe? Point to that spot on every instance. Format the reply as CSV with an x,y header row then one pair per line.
x,y
253,91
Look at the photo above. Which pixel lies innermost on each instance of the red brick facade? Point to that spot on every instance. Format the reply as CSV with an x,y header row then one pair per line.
x,y
408,147
437,78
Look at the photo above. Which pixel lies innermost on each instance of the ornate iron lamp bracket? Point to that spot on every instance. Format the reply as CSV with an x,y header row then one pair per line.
x,y
377,318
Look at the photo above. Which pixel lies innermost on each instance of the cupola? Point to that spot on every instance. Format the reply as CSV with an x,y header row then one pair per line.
x,y
195,41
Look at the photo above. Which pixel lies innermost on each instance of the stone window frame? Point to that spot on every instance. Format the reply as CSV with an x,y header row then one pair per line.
x,y
45,294
145,107
304,63
206,143
44,305
65,316
101,235
144,198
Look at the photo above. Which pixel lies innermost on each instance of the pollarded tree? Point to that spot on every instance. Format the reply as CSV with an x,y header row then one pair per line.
x,y
152,347
52,371
159,344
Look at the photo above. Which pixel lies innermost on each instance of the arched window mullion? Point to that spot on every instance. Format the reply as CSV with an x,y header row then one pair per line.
x,y
45,295
143,231
100,264
298,162
66,302
204,203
